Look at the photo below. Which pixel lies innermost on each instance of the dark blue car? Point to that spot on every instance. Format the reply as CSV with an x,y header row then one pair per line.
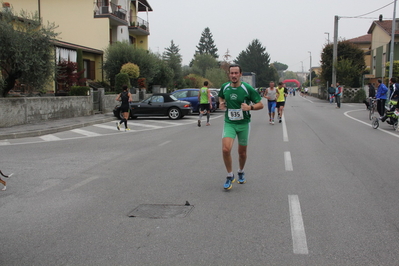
x,y
191,95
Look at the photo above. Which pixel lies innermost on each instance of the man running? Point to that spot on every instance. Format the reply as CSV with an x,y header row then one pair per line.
x,y
204,98
282,94
235,97
271,94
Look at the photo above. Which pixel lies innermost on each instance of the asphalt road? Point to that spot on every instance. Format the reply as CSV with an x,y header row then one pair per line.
x,y
322,189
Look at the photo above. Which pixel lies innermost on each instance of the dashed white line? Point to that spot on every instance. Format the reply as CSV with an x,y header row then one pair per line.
x,y
164,143
285,133
105,126
299,242
144,125
288,161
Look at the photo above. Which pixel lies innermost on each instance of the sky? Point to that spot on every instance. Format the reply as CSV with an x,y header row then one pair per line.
x,y
288,29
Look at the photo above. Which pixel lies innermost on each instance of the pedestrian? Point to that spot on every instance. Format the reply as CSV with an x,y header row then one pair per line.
x,y
204,99
306,91
282,94
236,97
4,182
331,92
394,93
271,95
381,97
125,98
338,94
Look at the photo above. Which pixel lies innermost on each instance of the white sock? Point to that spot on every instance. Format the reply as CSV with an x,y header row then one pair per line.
x,y
240,171
230,174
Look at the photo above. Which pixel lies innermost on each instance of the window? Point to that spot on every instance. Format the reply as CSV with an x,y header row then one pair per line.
x,y
90,71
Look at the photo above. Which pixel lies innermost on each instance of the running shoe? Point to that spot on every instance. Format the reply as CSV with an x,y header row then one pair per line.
x,y
208,124
118,125
272,122
279,120
127,129
199,123
229,182
241,178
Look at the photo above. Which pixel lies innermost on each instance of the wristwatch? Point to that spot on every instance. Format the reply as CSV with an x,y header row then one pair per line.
x,y
252,107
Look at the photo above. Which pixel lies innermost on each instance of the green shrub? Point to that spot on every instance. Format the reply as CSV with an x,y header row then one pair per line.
x,y
360,96
120,80
79,91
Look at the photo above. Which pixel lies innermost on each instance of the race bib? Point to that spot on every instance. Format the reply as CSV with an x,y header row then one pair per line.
x,y
396,113
235,114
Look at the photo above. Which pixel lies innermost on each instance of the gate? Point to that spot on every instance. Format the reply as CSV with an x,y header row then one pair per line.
x,y
96,101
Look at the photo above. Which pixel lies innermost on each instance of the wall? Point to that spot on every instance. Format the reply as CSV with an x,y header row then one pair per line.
x,y
24,110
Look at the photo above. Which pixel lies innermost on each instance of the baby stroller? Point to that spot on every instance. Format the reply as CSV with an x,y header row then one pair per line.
x,y
391,116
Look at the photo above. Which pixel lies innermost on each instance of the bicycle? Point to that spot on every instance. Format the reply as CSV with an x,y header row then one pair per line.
x,y
372,107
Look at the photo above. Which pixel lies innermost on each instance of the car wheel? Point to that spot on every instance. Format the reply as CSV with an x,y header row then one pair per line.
x,y
174,113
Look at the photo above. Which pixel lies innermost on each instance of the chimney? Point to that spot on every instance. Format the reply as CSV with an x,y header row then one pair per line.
x,y
380,18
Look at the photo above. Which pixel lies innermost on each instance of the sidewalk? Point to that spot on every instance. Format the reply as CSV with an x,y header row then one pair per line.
x,y
53,126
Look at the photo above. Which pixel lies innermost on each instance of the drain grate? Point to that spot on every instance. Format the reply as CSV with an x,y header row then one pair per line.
x,y
161,211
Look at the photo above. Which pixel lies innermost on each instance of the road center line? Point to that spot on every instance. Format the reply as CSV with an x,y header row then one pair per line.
x,y
285,133
288,161
299,243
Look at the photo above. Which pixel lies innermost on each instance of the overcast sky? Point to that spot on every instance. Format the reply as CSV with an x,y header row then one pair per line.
x,y
287,28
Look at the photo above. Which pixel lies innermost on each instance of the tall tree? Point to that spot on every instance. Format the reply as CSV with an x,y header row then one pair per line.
x,y
256,59
26,50
202,63
174,60
206,44
350,63
280,67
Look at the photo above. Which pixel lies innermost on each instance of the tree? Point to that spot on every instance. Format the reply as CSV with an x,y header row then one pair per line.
x,y
206,44
280,67
26,50
173,59
131,69
164,76
256,59
121,53
202,63
216,77
349,58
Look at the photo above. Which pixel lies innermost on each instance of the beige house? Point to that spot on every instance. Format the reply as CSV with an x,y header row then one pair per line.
x,y
364,43
91,25
381,31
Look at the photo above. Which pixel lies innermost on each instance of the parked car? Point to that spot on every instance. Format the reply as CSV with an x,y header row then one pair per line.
x,y
159,104
215,93
191,95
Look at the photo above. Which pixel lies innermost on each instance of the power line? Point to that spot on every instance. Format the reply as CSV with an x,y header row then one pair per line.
x,y
371,11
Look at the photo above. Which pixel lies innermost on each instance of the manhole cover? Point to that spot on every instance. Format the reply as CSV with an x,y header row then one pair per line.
x,y
161,211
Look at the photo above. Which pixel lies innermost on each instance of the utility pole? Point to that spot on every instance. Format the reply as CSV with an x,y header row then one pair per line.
x,y
328,37
392,41
310,71
335,51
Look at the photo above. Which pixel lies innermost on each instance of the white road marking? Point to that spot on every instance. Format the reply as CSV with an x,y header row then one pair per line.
x,y
82,183
49,137
144,125
288,161
285,133
85,132
106,126
299,243
4,142
369,124
164,143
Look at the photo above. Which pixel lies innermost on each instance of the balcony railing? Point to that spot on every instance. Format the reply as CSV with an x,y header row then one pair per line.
x,y
140,23
108,8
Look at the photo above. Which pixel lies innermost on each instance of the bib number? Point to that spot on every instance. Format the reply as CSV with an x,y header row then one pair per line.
x,y
235,114
396,113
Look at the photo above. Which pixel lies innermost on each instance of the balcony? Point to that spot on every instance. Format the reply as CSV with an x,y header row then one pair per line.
x,y
106,9
139,26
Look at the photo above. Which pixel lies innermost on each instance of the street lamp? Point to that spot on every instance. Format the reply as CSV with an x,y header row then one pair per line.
x,y
328,37
310,74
